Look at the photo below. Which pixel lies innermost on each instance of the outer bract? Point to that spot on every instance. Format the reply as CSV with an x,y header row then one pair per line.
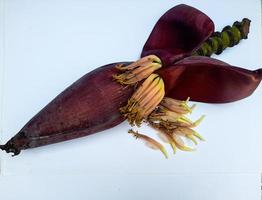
x,y
89,105
178,33
209,80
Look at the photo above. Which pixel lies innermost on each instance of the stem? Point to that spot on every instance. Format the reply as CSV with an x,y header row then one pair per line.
x,y
229,37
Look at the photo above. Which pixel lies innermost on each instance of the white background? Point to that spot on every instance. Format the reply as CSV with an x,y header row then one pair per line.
x,y
47,45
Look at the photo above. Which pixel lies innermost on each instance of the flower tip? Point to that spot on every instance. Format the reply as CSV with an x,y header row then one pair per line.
x,y
173,145
197,122
186,148
192,107
190,137
197,135
163,150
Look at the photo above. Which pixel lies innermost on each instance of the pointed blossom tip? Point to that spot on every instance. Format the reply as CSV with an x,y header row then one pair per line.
x,y
167,138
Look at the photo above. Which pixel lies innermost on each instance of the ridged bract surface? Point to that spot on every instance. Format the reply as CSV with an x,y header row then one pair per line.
x,y
89,105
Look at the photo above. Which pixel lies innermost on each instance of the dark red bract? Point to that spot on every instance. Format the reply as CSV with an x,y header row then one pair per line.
x,y
176,35
209,80
88,106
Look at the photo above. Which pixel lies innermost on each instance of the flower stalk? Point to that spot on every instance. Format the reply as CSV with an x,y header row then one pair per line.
x,y
228,37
